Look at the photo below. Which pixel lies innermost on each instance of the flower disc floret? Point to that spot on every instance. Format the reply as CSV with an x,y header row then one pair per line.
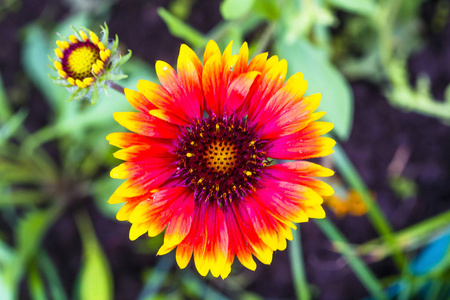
x,y
220,159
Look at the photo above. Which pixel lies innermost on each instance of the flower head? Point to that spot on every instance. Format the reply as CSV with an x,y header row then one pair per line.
x,y
204,159
85,63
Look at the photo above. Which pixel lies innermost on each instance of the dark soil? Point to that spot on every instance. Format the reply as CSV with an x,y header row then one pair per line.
x,y
378,131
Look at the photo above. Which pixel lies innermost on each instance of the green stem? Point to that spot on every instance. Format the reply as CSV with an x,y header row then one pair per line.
x,y
385,23
410,238
376,216
298,268
361,270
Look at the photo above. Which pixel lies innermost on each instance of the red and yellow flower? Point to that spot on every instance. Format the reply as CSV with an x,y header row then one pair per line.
x,y
201,161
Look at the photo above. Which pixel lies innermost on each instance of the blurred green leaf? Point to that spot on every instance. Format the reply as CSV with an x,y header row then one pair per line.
x,y
34,59
409,239
182,30
6,253
5,290
5,107
96,281
235,9
403,187
362,7
12,124
251,296
22,197
267,8
181,8
52,276
324,78
16,173
32,229
35,283
77,20
28,236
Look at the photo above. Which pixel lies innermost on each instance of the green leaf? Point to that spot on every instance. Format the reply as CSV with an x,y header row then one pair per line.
x,y
235,9
362,7
16,172
6,253
96,279
76,20
5,108
324,78
22,197
267,8
32,229
5,290
409,239
37,289
182,30
12,124
56,288
28,236
34,59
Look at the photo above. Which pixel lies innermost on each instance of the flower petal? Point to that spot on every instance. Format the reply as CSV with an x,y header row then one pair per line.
x,y
238,91
138,101
211,49
271,80
214,87
128,139
146,125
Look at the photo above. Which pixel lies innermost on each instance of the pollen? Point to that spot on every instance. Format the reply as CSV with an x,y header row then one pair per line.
x,y
80,60
221,156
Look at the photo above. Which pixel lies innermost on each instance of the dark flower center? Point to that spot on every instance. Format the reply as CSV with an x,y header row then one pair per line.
x,y
221,159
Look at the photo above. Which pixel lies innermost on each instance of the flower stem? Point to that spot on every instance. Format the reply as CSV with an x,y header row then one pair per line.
x,y
375,214
361,270
116,87
298,269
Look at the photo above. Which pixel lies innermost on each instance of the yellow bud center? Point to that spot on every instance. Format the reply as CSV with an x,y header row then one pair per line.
x,y
78,61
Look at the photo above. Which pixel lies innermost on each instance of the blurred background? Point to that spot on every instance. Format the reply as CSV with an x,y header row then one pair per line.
x,y
383,68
